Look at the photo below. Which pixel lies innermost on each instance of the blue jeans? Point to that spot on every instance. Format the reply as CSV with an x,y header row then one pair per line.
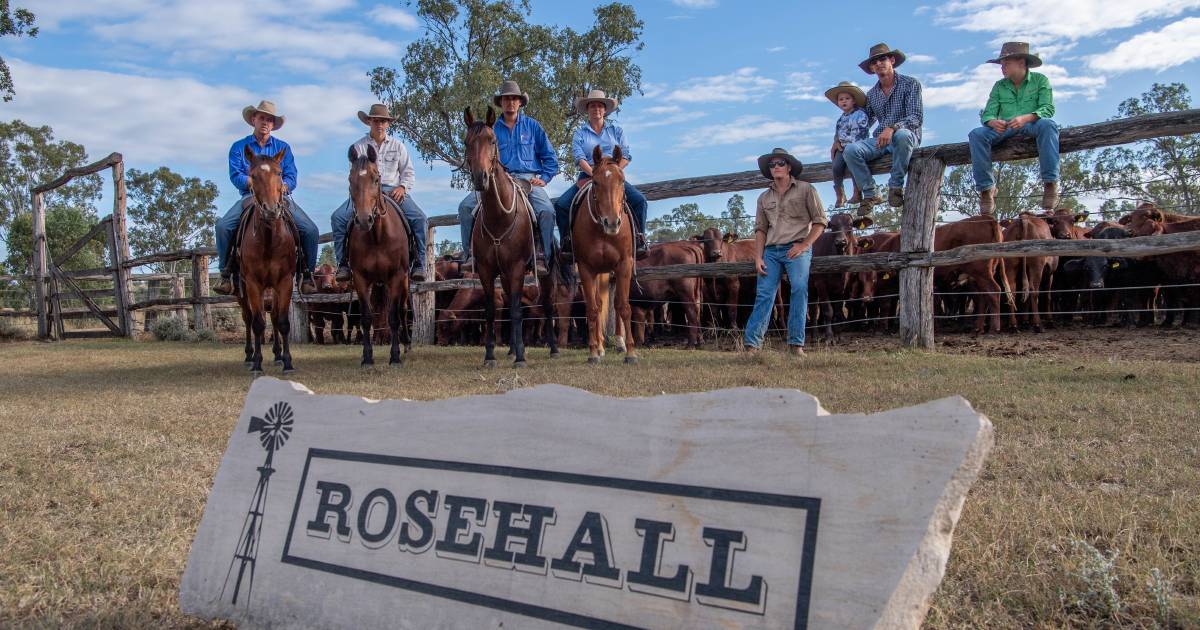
x,y
838,168
543,209
340,222
982,139
776,260
633,196
227,225
861,153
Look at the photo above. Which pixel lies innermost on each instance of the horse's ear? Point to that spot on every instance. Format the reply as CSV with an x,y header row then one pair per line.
x,y
371,154
352,154
278,157
491,116
597,156
467,117
248,153
617,154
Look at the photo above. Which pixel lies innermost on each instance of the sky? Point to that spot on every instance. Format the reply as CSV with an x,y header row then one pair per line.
x,y
164,81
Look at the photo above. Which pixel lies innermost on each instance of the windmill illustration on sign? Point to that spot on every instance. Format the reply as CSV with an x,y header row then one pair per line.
x,y
273,432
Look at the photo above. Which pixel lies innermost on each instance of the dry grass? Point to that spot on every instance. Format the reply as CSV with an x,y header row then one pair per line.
x,y
109,448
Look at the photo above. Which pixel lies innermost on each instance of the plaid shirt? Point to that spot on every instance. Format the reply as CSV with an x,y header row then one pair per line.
x,y
903,107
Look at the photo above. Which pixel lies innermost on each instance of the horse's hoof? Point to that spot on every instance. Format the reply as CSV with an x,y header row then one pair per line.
x,y
248,363
631,360
366,363
594,360
489,363
396,362
256,373
555,354
289,370
520,364
278,361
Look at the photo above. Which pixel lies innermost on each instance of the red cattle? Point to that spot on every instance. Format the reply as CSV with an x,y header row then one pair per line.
x,y
332,313
730,292
979,277
647,296
829,291
1030,276
1182,268
878,291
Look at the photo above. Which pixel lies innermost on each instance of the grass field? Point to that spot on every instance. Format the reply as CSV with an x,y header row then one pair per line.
x,y
1087,513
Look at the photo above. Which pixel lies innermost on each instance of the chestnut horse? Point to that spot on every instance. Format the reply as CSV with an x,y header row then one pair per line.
x,y
267,260
604,249
502,241
379,255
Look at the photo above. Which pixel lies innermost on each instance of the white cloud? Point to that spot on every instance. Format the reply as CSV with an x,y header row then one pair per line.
x,y
775,49
1174,44
660,116
801,86
753,128
394,17
969,90
741,85
1037,20
919,58
695,4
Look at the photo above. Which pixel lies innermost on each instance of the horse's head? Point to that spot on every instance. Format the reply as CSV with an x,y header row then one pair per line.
x,y
266,183
482,152
364,187
608,190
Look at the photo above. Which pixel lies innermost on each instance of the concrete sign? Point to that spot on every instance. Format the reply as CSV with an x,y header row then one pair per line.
x,y
552,507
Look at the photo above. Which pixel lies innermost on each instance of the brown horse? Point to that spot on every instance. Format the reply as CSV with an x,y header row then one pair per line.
x,y
604,248
267,261
378,255
502,241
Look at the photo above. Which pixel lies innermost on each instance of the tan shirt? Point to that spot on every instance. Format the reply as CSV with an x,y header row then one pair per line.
x,y
787,218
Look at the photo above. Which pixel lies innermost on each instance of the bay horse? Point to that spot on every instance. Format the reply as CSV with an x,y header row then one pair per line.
x,y
267,261
603,251
379,255
502,241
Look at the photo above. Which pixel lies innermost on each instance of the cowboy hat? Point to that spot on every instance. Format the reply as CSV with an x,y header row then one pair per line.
x,y
378,110
879,50
777,152
581,103
860,98
1017,49
510,88
266,107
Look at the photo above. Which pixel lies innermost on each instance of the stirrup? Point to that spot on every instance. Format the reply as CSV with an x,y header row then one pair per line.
x,y
343,274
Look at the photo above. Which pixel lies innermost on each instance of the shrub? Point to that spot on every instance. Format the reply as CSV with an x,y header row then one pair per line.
x,y
170,328
10,331
204,335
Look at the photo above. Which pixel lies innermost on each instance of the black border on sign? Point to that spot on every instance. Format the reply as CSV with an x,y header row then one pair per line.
x,y
811,506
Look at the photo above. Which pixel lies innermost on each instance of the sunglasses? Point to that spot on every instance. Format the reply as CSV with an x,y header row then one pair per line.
x,y
776,163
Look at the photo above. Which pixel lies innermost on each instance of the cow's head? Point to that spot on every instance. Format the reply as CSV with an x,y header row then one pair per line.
x,y
841,228
1146,220
1062,221
712,243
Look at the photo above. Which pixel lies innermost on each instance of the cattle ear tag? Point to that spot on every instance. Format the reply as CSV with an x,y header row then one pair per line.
x,y
1116,265
886,276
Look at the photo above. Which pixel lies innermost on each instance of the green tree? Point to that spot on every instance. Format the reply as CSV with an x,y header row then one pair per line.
x,y
684,221
447,246
470,46
169,211
15,22
735,217
64,226
1018,186
1164,170
327,256
30,156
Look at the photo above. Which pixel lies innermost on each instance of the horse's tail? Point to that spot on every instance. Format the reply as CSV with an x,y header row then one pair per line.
x,y
602,289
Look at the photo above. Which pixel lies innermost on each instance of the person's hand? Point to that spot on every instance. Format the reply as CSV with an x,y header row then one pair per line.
x,y
885,138
797,248
398,193
760,266
1018,122
997,125
837,146
536,181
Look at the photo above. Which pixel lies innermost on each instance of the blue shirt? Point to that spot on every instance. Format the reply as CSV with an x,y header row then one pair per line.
x,y
525,148
239,168
903,107
586,140
853,127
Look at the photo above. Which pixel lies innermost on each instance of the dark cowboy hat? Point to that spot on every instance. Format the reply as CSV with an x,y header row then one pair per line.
x,y
777,152
860,97
1017,49
378,110
879,50
510,88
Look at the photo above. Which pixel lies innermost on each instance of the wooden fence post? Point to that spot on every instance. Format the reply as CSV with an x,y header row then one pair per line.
x,y
297,321
120,251
922,197
177,291
39,265
424,317
201,315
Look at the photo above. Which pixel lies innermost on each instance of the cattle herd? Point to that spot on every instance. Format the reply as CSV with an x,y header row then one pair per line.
x,y
995,295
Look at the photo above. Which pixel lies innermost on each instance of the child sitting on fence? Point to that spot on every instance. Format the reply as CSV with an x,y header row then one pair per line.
x,y
852,126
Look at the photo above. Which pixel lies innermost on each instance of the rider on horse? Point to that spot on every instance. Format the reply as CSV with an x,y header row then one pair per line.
x,y
396,178
526,153
598,131
264,120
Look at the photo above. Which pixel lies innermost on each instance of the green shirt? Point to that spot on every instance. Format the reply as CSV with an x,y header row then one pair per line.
x,y
1007,102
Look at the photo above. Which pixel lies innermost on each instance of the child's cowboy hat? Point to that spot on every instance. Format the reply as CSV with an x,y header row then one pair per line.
x,y
860,97
266,107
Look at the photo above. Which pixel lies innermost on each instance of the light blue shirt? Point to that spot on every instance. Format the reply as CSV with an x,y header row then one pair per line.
x,y
525,148
586,140
239,168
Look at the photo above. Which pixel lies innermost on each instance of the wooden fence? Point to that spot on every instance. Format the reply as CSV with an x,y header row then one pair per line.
x,y
915,261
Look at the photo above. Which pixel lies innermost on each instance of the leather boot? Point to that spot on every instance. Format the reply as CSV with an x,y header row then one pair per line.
x,y
1050,196
856,197
343,273
987,201
840,201
864,207
226,285
307,286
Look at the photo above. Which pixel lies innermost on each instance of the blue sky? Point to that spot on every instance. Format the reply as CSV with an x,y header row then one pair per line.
x,y
163,82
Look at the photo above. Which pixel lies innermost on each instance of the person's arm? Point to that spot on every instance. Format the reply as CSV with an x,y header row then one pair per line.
x,y
1045,99
289,170
914,109
626,154
585,167
816,214
579,153
408,175
760,238
239,170
991,111
547,161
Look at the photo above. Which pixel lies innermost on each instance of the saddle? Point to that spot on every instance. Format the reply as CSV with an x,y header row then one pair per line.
x,y
235,247
412,238
581,195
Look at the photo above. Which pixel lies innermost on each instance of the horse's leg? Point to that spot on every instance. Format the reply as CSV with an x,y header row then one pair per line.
x,y
550,322
489,318
363,289
405,293
248,320
392,305
258,324
592,308
603,298
624,277
276,347
516,291
281,322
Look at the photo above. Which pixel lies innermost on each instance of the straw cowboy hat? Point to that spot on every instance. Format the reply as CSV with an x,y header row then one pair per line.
x,y
378,110
610,104
266,107
879,50
510,88
1017,49
860,97
797,167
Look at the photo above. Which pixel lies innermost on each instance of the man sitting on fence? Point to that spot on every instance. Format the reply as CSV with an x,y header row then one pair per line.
x,y
1021,103
789,220
264,120
526,153
895,103
396,177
